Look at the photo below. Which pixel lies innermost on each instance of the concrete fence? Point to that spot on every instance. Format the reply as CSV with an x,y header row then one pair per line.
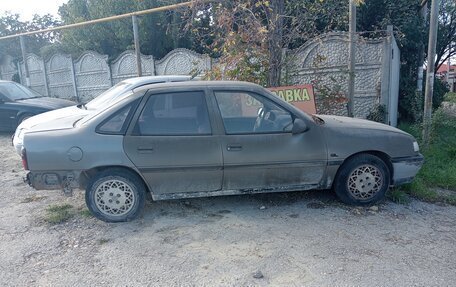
x,y
321,61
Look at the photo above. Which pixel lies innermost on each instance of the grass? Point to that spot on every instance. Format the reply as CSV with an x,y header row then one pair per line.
x,y
398,196
56,214
85,213
439,170
33,198
102,241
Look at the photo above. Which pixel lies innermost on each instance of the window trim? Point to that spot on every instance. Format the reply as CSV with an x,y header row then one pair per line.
x,y
133,106
214,91
150,94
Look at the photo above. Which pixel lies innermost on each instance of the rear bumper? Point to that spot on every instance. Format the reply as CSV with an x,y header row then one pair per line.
x,y
406,168
50,180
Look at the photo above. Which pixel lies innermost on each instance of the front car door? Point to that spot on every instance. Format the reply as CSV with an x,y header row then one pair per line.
x,y
171,143
8,114
259,151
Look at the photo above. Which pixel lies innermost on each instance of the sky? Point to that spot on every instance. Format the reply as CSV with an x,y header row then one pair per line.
x,y
27,8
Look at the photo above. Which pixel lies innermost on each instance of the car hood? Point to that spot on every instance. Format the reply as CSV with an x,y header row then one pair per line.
x,y
47,103
339,122
61,118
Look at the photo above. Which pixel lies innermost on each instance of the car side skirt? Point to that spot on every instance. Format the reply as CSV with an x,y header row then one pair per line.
x,y
183,195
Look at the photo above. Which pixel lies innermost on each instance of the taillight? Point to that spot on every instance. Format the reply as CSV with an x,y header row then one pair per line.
x,y
24,159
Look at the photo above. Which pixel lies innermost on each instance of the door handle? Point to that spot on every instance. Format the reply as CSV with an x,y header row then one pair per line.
x,y
145,149
233,147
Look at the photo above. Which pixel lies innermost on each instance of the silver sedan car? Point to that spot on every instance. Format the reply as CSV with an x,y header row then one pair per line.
x,y
195,139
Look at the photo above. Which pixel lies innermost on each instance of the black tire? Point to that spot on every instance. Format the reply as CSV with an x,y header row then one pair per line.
x,y
127,197
362,180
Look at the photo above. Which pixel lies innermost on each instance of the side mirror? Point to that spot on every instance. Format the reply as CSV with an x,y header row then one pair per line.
x,y
299,126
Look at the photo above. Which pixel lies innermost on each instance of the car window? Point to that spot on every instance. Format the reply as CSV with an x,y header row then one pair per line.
x,y
246,113
116,123
114,94
16,92
183,113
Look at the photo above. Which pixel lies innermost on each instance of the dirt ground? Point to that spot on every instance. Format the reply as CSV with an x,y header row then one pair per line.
x,y
296,239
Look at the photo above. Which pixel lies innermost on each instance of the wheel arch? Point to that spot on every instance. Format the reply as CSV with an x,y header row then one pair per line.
x,y
86,175
382,155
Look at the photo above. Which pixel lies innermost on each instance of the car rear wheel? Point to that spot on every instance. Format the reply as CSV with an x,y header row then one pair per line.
x,y
362,180
115,195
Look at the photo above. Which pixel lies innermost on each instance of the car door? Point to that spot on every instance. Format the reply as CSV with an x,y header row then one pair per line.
x,y
171,143
7,114
259,150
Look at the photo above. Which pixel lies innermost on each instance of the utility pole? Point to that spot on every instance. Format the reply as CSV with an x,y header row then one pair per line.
x,y
24,58
134,20
351,58
419,81
430,72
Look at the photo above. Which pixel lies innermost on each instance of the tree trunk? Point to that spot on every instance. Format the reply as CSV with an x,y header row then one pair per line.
x,y
275,42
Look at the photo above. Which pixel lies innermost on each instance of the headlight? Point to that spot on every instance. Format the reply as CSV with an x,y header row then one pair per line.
x,y
416,147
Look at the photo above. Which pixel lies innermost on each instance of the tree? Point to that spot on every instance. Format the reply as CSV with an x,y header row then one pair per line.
x,y
10,25
158,31
446,37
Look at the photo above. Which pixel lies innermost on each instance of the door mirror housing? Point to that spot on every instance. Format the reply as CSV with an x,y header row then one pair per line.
x,y
299,126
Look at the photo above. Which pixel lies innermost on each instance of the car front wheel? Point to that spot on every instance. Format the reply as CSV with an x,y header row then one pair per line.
x,y
115,195
362,180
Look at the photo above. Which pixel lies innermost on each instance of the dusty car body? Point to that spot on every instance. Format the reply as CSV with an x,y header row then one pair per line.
x,y
18,103
194,139
99,103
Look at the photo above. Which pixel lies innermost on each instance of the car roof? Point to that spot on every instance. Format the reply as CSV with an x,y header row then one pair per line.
x,y
202,84
141,81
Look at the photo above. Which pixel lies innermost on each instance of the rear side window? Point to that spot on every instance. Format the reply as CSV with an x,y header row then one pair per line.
x,y
117,123
183,113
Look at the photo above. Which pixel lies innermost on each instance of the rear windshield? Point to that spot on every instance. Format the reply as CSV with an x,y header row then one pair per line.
x,y
114,94
16,92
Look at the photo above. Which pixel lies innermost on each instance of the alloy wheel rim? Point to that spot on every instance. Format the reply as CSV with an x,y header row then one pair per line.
x,y
365,182
114,197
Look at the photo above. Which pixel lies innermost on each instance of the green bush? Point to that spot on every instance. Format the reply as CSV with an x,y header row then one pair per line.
x,y
450,97
439,169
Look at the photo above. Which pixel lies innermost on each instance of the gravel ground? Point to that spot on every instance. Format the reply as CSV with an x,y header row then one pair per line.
x,y
295,239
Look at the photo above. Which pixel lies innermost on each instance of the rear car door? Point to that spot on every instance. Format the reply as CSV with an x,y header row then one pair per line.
x,y
259,150
171,143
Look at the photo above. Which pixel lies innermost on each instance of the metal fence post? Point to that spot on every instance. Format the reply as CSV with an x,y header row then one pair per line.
x,y
73,78
46,87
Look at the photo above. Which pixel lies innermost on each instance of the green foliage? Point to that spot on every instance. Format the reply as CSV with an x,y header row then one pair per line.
x,y
159,32
398,196
377,114
439,169
85,213
56,214
450,97
440,89
10,24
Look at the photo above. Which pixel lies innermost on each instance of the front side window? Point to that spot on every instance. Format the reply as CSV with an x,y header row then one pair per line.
x,y
246,113
181,113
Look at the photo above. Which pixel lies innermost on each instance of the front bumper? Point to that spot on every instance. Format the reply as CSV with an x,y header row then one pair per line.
x,y
17,141
406,168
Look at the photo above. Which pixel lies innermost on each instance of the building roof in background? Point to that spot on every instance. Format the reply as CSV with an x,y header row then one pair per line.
x,y
444,68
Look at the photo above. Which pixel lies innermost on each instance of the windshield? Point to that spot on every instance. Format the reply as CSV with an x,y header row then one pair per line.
x,y
110,96
16,92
